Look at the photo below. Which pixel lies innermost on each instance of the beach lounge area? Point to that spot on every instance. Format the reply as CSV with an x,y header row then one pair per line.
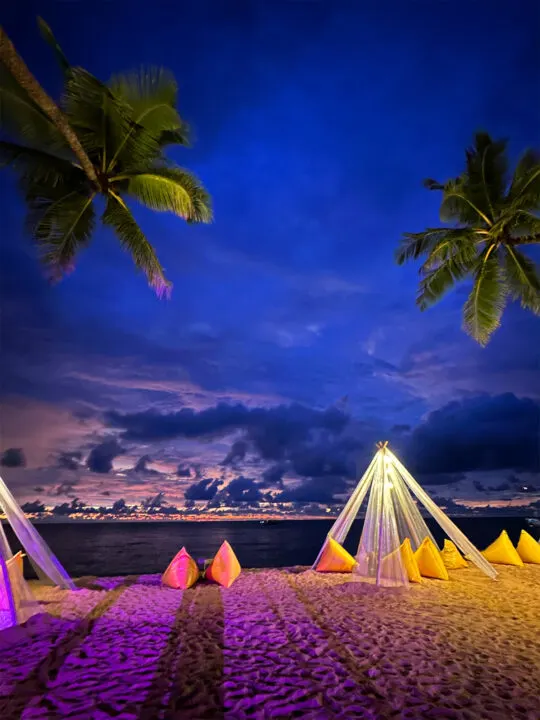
x,y
278,644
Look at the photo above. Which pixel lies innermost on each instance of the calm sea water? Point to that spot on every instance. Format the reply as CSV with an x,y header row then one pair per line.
x,y
122,548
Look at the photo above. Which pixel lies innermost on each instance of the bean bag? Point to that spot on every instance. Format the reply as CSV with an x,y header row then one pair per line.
x,y
502,552
528,549
335,558
17,561
182,572
409,561
429,560
451,557
224,568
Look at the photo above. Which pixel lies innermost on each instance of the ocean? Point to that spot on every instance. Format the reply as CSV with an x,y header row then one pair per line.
x,y
126,548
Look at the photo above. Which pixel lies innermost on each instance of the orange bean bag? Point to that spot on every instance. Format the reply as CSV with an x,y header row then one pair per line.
x,y
335,558
224,568
182,572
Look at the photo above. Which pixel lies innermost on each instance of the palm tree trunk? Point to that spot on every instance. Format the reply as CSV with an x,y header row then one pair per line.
x,y
17,67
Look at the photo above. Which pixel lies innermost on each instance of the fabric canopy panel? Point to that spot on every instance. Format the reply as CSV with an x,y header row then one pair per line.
x,y
45,563
17,604
392,515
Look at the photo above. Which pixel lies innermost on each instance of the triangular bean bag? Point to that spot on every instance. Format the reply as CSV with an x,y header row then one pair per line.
x,y
224,568
502,552
409,562
428,558
335,558
528,549
452,558
182,572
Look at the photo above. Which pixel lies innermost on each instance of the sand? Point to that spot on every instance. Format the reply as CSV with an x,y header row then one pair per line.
x,y
279,644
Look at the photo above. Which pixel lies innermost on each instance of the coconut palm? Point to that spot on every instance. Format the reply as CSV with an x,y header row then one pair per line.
x,y
491,216
123,128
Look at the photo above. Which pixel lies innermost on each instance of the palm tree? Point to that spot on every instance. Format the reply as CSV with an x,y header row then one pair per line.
x,y
123,128
491,215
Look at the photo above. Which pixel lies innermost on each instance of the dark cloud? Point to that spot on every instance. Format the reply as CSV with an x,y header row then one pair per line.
x,y
205,489
440,478
101,456
309,440
237,453
64,488
273,476
141,466
271,430
479,433
400,429
183,471
242,489
69,460
318,490
13,458
39,489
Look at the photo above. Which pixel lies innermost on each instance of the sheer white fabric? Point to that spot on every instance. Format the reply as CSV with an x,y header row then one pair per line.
x,y
45,563
17,604
392,515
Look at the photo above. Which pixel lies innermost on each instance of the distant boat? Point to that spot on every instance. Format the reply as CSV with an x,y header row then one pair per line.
x,y
533,522
268,522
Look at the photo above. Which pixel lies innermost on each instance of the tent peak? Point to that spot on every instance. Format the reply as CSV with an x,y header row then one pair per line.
x,y
382,445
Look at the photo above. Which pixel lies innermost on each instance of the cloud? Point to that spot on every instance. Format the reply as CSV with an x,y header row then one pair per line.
x,y
479,433
273,476
236,453
269,428
141,466
64,488
13,458
318,490
242,489
69,460
205,489
101,456
183,471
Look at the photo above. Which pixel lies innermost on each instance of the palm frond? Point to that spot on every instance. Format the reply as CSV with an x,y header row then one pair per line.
x,y
523,279
150,94
22,120
486,179
458,206
118,217
99,118
48,36
60,222
524,193
169,189
38,166
485,305
446,265
181,136
414,245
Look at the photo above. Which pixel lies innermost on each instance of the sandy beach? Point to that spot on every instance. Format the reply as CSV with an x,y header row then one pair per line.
x,y
279,644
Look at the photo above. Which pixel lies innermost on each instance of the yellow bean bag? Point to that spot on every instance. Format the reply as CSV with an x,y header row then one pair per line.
x,y
502,552
335,558
451,556
429,560
409,562
224,568
182,572
528,549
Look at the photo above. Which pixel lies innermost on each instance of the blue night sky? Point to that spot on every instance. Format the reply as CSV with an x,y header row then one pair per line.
x,y
314,124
